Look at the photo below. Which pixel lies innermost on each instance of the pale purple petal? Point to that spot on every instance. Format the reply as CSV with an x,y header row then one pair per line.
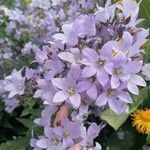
x,y
133,88
133,67
88,72
66,56
42,143
92,92
60,96
75,100
138,80
90,54
102,100
102,77
124,96
58,83
83,86
117,106
115,83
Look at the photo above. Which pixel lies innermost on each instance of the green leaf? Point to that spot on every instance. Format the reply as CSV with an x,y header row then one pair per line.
x,y
26,122
113,119
142,99
18,144
145,12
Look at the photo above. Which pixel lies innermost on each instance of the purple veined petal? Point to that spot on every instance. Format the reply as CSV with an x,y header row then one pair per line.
x,y
48,132
92,92
117,106
74,74
133,88
42,143
83,86
102,100
109,67
90,54
88,71
115,83
125,97
75,100
61,37
132,67
49,75
59,131
66,123
66,56
120,58
60,96
138,80
58,83
127,40
90,28
102,77
67,142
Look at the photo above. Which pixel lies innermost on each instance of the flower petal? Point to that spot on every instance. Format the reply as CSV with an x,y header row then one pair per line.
x,y
92,92
138,80
66,56
83,86
75,100
102,77
88,71
101,100
58,83
115,83
60,97
133,88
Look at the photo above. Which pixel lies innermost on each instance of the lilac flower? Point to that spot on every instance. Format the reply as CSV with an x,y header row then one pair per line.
x,y
15,83
120,69
95,64
46,91
73,57
29,47
69,132
53,66
46,114
69,88
52,141
117,99
89,135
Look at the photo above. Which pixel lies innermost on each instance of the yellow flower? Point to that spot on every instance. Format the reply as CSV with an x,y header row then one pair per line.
x,y
141,121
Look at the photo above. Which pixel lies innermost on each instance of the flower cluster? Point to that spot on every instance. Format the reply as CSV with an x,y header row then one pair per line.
x,y
95,62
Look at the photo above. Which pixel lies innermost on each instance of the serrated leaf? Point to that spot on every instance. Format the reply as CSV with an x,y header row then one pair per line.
x,y
113,119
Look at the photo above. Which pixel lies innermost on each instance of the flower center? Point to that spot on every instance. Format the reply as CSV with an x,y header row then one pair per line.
x,y
71,91
145,115
54,141
111,92
114,53
117,71
101,62
77,61
66,134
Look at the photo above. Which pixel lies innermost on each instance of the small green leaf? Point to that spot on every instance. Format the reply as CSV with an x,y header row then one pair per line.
x,y
113,119
26,122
